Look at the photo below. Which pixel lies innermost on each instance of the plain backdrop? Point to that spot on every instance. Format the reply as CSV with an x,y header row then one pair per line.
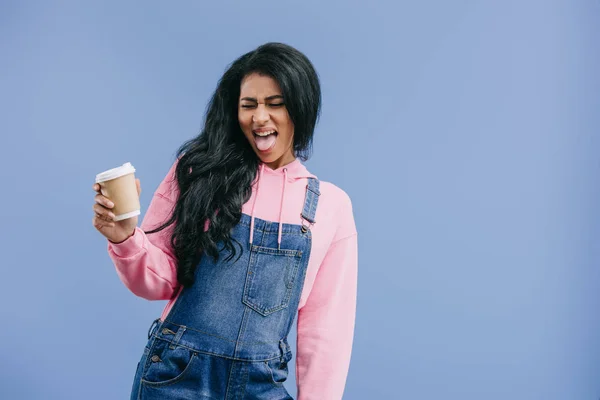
x,y
465,132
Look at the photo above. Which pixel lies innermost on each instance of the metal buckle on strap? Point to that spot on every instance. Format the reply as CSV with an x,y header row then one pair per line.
x,y
305,227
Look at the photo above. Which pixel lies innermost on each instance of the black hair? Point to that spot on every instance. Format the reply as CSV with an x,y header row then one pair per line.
x,y
216,169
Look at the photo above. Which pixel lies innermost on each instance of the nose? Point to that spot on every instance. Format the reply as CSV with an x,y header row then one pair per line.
x,y
261,116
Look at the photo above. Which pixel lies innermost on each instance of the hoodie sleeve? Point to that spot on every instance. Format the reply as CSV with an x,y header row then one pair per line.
x,y
326,322
146,264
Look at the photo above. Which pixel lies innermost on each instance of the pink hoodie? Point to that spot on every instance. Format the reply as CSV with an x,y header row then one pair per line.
x,y
326,313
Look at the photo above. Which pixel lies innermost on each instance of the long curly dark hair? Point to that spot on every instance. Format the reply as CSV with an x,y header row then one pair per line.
x,y
216,169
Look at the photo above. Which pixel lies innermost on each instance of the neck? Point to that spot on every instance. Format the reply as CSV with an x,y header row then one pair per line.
x,y
281,162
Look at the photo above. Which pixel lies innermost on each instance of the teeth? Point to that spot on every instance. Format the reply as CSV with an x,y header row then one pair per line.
x,y
267,133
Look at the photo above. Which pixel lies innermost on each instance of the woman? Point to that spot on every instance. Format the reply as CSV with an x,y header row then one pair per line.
x,y
242,238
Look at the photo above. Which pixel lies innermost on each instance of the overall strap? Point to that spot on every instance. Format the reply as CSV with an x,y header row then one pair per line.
x,y
310,203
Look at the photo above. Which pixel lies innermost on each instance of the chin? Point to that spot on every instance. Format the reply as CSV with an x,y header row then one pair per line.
x,y
268,158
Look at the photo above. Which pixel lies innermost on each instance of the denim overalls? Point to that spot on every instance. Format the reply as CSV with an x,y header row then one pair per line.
x,y
226,336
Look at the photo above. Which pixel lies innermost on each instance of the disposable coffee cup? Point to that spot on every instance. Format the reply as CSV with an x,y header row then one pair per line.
x,y
118,185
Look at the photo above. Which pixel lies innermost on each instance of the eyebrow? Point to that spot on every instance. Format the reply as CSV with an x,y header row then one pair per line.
x,y
276,96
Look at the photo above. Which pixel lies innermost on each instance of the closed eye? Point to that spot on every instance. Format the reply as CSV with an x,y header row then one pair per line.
x,y
270,105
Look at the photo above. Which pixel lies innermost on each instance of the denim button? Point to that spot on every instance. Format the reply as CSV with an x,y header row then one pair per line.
x,y
155,358
167,331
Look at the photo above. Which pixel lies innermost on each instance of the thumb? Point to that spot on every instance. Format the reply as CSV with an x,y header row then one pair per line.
x,y
138,186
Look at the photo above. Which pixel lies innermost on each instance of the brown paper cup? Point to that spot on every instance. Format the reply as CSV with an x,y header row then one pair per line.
x,y
118,185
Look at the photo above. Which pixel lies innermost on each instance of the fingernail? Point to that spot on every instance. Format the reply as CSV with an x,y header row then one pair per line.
x,y
111,204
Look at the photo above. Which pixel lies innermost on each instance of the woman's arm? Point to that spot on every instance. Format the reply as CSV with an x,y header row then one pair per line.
x,y
326,322
146,264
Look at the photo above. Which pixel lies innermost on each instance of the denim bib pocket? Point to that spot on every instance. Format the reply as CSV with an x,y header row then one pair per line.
x,y
270,278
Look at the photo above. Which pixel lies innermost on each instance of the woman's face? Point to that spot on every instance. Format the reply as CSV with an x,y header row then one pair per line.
x,y
265,121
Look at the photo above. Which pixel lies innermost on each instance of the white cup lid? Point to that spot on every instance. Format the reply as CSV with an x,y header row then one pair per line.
x,y
114,173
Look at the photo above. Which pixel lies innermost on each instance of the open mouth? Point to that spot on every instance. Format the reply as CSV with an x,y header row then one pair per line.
x,y
266,140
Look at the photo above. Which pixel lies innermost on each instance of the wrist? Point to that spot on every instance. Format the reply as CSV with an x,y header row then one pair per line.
x,y
124,240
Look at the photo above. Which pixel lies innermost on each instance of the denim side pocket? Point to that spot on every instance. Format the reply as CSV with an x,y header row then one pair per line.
x,y
167,365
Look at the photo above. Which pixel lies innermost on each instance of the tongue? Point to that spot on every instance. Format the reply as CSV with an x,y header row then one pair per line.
x,y
264,143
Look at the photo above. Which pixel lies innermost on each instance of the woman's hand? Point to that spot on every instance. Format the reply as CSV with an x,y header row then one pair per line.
x,y
115,231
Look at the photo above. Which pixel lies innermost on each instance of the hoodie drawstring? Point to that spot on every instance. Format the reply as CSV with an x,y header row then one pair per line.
x,y
280,229
260,172
281,209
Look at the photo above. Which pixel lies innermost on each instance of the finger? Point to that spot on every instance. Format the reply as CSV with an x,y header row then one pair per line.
x,y
99,223
105,220
138,185
104,201
103,213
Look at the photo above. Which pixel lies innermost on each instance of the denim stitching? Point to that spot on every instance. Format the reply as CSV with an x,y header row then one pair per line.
x,y
208,353
209,334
